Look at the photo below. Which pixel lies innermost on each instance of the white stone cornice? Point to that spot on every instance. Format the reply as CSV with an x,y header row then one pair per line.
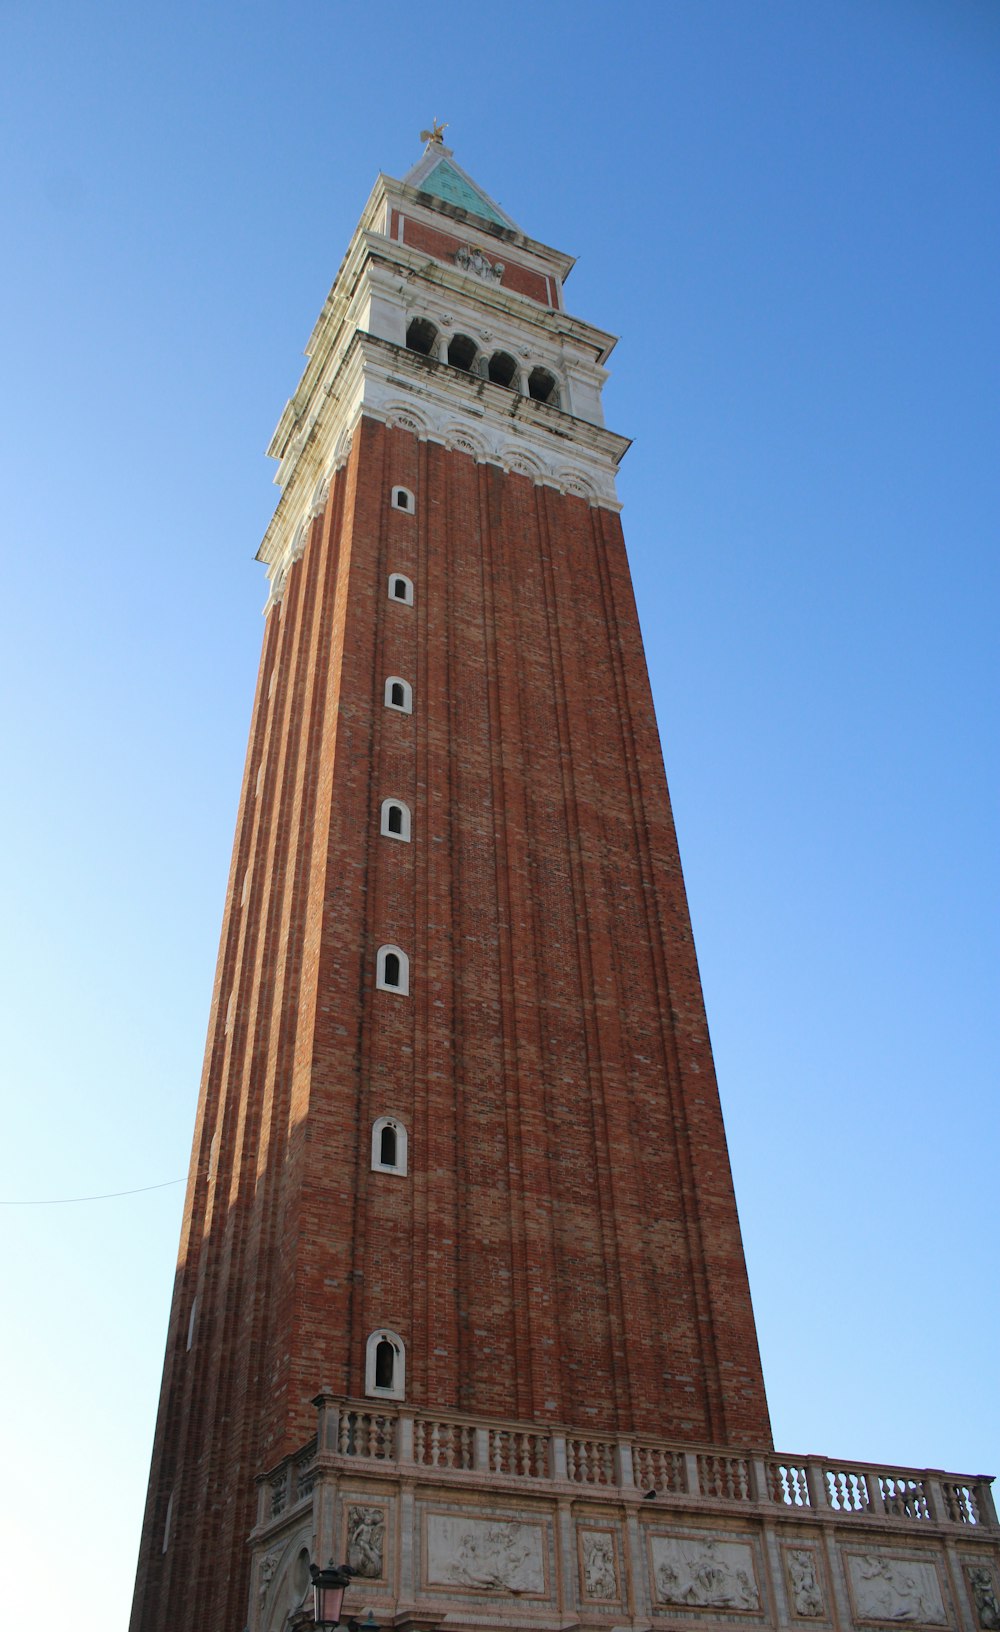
x,y
374,260
489,423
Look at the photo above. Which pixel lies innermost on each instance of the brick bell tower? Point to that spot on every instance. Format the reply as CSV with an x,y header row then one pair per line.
x,y
459,1174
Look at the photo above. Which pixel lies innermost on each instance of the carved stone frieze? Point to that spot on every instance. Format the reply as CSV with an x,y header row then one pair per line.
x,y
701,1573
886,1588
487,1555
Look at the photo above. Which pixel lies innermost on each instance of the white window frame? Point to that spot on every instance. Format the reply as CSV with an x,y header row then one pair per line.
x,y
402,1143
400,578
398,1389
395,804
409,508
406,706
403,989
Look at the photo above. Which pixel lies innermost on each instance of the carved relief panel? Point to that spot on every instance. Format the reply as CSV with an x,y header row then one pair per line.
x,y
600,1569
805,1582
497,1555
702,1572
895,1590
364,1541
985,1598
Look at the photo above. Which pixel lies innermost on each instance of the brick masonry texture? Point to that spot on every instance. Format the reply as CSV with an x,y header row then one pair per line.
x,y
565,1247
442,245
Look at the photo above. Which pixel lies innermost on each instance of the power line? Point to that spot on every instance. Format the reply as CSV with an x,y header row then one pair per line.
x,y
109,1195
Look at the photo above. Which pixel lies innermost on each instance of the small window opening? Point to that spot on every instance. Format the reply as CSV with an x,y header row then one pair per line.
x,y
399,694
400,588
395,822
421,336
385,1364
389,1146
462,352
402,499
503,369
392,973
542,386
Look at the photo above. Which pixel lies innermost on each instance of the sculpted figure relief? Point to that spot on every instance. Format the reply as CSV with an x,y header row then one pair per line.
x,y
598,1564
807,1595
896,1589
366,1541
985,1598
269,1563
473,260
490,1554
705,1574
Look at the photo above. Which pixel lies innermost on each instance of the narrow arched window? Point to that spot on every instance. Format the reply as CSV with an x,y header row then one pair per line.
x,y
385,1365
400,588
421,336
395,823
392,971
389,1146
398,694
402,499
503,369
542,386
462,352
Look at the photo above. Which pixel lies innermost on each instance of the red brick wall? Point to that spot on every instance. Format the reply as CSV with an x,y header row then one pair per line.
x,y
442,245
565,1246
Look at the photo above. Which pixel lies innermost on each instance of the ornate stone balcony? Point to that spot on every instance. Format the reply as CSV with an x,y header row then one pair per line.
x,y
464,1522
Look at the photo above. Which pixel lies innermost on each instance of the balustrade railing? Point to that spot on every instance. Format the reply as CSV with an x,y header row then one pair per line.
x,y
519,1452
455,1446
727,1477
659,1469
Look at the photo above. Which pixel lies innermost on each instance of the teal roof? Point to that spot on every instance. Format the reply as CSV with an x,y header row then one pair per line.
x,y
445,182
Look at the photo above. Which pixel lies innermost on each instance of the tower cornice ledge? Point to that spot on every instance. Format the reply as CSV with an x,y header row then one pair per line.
x,y
372,257
437,403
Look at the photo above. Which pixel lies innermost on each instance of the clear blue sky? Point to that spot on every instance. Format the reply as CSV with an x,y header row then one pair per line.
x,y
790,214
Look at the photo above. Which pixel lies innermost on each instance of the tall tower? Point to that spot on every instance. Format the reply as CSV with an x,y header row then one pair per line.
x,y
459,1177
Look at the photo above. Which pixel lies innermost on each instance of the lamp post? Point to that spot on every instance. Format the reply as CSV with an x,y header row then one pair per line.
x,y
329,1586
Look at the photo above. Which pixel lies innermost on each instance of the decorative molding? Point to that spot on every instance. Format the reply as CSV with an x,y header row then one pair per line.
x,y
416,394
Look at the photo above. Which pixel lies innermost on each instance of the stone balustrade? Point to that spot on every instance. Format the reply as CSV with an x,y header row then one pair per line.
x,y
361,1433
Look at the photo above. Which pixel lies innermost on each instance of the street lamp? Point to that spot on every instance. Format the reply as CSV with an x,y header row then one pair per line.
x,y
329,1586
